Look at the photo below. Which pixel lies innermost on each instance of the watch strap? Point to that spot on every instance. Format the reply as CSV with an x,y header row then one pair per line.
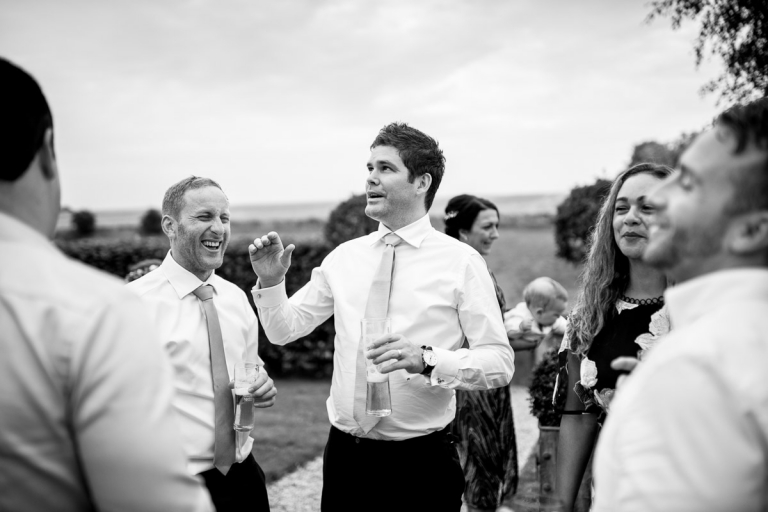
x,y
427,367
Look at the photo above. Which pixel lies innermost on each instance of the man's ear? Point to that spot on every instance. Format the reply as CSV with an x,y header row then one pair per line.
x,y
424,182
750,234
48,156
169,226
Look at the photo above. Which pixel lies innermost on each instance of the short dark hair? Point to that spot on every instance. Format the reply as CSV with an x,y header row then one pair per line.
x,y
461,212
174,196
419,152
25,118
749,125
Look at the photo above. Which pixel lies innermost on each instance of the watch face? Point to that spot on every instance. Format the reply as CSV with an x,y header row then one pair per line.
x,y
430,358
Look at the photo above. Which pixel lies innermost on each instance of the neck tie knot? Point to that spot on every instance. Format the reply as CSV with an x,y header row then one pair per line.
x,y
392,239
204,292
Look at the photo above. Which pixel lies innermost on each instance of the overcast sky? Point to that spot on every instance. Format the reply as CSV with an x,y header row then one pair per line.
x,y
280,100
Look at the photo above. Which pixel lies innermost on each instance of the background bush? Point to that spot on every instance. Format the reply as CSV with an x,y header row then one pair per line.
x,y
543,385
84,223
575,220
311,356
150,222
348,221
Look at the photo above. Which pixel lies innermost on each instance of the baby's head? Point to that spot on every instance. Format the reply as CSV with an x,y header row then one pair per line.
x,y
546,300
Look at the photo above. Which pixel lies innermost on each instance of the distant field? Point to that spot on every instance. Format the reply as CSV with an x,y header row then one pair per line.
x,y
509,206
521,255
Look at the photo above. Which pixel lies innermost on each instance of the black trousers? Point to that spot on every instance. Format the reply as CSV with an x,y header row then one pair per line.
x,y
418,474
243,489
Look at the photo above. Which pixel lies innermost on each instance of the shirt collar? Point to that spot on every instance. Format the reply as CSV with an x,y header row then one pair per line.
x,y
182,280
689,301
413,234
14,230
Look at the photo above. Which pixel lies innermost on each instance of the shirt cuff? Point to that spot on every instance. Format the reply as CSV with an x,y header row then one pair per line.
x,y
447,368
269,297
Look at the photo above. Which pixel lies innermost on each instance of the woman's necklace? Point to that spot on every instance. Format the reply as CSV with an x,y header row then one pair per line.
x,y
644,302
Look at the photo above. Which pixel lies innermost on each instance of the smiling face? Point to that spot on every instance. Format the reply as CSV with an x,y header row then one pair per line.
x,y
392,199
632,213
199,237
690,232
485,231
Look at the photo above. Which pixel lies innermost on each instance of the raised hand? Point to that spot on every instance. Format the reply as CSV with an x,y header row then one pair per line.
x,y
269,260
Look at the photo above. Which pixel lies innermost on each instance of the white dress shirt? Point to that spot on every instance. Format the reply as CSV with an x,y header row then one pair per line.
x,y
183,331
86,420
688,431
441,292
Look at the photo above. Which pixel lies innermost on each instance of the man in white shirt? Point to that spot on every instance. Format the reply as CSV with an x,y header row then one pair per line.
x,y
78,429
688,431
196,221
441,293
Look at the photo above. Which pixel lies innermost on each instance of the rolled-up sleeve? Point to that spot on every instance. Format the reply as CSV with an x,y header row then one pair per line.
x,y
489,362
285,320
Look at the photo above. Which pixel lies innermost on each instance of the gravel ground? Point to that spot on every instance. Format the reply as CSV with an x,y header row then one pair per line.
x,y
300,491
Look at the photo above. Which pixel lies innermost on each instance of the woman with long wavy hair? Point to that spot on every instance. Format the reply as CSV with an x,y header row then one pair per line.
x,y
619,312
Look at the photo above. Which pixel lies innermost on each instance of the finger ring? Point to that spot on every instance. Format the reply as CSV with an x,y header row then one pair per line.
x,y
399,354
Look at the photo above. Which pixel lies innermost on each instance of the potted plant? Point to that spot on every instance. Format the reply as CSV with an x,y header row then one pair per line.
x,y
542,390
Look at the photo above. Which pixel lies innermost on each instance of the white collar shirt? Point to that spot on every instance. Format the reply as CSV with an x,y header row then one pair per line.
x,y
441,293
86,421
181,326
688,431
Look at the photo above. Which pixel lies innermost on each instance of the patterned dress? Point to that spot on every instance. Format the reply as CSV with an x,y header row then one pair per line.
x,y
632,331
487,445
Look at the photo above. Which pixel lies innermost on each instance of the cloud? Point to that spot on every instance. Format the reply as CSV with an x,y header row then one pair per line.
x,y
280,100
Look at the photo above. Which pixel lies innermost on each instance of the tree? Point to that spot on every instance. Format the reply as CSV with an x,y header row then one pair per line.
x,y
652,152
575,219
348,220
737,31
666,154
150,222
84,223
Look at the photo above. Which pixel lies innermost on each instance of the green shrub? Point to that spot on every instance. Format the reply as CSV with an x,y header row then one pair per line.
x,y
150,222
84,223
348,221
543,386
311,356
575,220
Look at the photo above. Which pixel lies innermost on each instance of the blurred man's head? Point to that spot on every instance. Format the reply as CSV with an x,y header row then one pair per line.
x,y
196,221
29,178
713,213
404,173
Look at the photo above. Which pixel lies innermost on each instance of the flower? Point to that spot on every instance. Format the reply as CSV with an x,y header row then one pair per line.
x,y
659,322
604,397
588,373
450,215
658,327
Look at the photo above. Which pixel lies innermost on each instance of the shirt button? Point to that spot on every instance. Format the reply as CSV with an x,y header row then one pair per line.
x,y
357,441
258,295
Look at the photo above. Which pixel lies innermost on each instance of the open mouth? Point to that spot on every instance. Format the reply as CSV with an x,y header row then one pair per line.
x,y
212,245
374,195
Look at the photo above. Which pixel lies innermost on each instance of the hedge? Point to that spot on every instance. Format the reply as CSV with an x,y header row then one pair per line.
x,y
310,356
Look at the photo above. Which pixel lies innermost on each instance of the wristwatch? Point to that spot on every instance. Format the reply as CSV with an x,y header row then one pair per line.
x,y
429,358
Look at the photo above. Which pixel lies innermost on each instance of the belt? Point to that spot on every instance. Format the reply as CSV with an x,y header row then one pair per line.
x,y
439,436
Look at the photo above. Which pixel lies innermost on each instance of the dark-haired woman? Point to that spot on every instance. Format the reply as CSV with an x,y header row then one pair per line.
x,y
619,312
484,422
